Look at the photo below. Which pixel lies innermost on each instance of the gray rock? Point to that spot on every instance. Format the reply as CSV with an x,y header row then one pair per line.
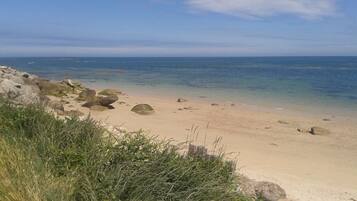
x,y
143,109
269,191
18,93
107,100
263,190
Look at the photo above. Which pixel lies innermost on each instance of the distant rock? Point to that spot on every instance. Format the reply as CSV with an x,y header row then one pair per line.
x,y
105,101
181,100
214,104
53,88
143,109
110,92
319,131
86,95
283,122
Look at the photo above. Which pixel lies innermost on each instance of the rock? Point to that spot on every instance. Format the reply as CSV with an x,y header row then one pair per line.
x,y
143,109
181,100
326,119
107,100
269,191
76,86
98,108
266,191
86,95
53,89
214,104
109,92
302,130
283,122
319,131
18,93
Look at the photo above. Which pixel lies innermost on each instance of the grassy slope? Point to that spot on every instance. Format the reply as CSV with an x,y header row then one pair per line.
x,y
45,158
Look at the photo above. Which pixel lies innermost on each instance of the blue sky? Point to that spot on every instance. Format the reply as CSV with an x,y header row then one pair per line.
x,y
178,27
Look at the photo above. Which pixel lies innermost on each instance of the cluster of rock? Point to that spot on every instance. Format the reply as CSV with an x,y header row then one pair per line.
x,y
24,89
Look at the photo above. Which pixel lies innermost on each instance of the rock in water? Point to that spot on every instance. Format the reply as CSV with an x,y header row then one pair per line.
x,y
143,109
86,95
269,191
109,92
319,131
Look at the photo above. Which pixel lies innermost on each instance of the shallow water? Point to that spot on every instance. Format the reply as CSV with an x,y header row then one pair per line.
x,y
325,82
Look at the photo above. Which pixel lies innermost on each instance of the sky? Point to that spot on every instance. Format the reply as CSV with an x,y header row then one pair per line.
x,y
178,28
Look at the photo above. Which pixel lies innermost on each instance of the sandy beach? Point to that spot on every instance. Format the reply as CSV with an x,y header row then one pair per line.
x,y
266,141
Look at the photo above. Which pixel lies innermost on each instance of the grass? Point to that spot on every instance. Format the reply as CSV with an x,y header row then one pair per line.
x,y
46,158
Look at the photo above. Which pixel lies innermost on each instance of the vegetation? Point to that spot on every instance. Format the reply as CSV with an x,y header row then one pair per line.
x,y
46,158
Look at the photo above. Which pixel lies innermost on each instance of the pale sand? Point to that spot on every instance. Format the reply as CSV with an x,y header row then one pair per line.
x,y
309,168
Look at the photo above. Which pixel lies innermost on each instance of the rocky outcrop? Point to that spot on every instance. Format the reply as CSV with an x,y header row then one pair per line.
x,y
13,86
143,109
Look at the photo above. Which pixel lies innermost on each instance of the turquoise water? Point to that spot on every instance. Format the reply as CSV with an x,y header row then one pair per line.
x,y
330,82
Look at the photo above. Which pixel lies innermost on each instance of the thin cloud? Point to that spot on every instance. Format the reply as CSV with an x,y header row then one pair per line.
x,y
310,9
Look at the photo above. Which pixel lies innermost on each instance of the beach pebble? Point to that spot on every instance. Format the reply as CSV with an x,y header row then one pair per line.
x,y
283,122
181,100
214,104
319,131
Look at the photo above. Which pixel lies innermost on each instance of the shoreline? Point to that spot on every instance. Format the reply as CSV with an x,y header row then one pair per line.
x,y
266,140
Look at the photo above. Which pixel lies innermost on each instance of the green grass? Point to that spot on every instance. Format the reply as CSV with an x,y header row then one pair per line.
x,y
46,158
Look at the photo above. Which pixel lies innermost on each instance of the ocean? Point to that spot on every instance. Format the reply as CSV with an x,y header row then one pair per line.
x,y
325,82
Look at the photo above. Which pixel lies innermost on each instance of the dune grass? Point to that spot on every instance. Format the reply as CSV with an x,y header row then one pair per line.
x,y
46,158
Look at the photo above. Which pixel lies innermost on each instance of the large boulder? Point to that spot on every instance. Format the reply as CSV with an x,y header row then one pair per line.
x,y
109,92
143,109
18,93
86,95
